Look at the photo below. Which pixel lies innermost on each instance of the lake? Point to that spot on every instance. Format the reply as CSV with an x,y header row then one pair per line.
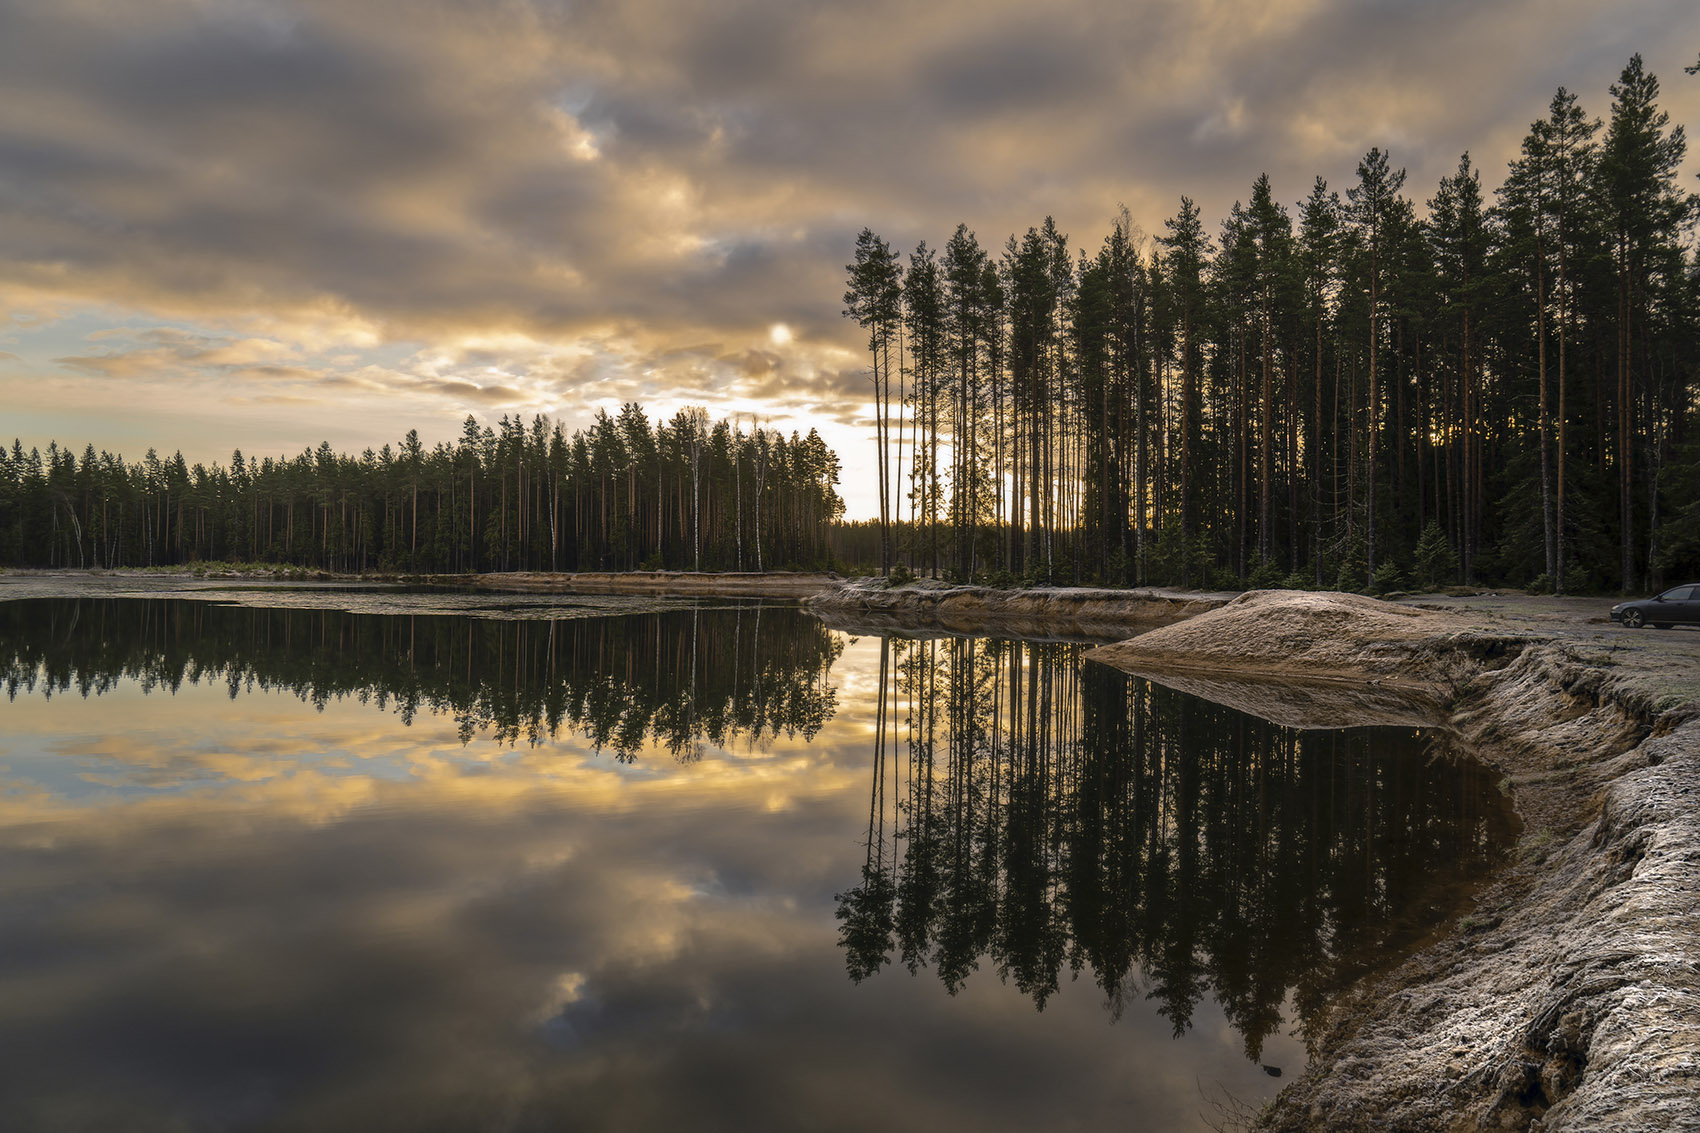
x,y
304,861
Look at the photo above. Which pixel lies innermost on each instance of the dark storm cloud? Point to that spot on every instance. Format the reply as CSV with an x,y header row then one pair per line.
x,y
1016,69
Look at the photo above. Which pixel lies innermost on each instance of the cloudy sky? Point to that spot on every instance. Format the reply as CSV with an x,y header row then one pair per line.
x,y
263,223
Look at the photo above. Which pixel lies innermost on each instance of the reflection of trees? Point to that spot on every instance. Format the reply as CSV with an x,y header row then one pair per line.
x,y
674,679
1051,814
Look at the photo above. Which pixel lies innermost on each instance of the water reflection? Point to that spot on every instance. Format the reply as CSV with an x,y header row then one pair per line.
x,y
1047,816
261,902
625,682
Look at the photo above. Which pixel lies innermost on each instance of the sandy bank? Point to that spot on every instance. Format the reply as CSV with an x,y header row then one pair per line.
x,y
1327,637
651,584
1569,998
1079,612
684,584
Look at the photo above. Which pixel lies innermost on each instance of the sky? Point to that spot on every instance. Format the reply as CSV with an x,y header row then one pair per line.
x,y
260,224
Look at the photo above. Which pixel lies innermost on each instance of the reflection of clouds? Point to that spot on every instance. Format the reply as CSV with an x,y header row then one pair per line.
x,y
540,933
269,749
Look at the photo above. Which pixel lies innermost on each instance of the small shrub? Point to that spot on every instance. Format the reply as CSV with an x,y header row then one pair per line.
x,y
1388,578
1265,575
900,575
1223,579
1352,577
1540,584
1434,562
1116,570
1298,580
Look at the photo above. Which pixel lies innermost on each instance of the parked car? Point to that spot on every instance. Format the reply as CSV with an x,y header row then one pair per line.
x,y
1680,605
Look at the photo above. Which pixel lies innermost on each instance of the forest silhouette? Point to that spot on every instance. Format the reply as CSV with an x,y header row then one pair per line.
x,y
1361,391
624,494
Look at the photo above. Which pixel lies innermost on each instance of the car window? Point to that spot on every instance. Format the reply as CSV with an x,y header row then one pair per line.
x,y
1679,593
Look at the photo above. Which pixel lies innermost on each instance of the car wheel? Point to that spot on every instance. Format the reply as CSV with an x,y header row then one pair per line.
x,y
1632,619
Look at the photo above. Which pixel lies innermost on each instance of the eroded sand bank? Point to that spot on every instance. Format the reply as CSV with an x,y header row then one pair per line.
x,y
1061,611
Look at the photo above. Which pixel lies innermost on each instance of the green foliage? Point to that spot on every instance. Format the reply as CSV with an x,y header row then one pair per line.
x,y
1388,578
1434,563
1116,568
1265,575
1352,577
900,575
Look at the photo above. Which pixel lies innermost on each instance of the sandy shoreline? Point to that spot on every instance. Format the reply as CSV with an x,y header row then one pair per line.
x,y
648,584
1043,612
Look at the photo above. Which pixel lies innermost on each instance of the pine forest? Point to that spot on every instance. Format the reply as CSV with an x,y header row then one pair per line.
x,y
682,495
1364,390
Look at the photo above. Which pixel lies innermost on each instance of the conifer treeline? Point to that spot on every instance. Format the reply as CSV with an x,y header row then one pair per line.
x,y
1335,394
623,494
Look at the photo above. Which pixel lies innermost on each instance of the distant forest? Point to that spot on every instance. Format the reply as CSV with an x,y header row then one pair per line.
x,y
622,495
1356,393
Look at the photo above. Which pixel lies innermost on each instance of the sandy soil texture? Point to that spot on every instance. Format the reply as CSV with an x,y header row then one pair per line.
x,y
649,584
1045,612
677,584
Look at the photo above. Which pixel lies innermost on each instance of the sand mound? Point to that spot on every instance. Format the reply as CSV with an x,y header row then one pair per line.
x,y
1298,635
1045,612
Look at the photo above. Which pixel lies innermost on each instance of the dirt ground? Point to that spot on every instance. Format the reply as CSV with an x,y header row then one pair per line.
x,y
650,584
1073,612
1569,997
674,584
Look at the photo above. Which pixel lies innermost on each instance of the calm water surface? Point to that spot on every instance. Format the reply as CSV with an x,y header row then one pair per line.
x,y
696,868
